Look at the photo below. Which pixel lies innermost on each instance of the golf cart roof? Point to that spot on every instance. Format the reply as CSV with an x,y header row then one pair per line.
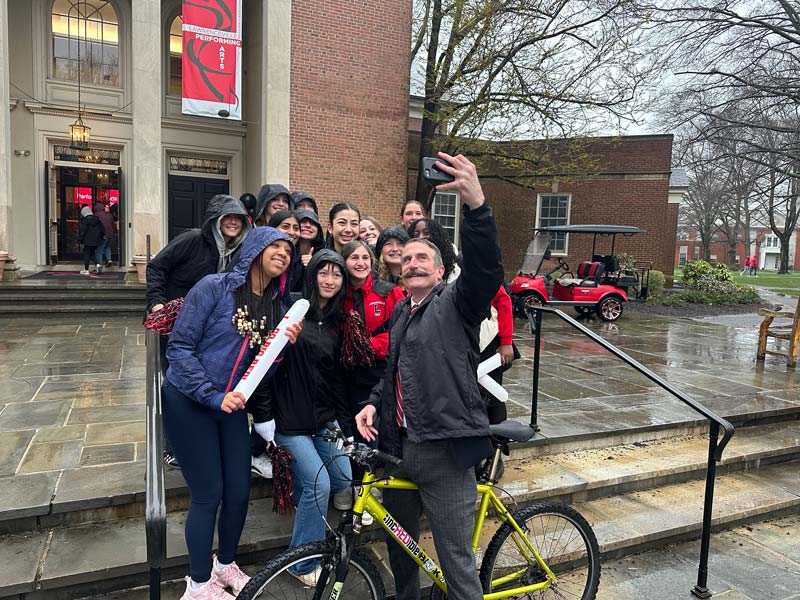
x,y
601,229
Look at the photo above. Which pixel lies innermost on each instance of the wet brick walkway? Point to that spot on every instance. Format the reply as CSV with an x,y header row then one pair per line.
x,y
72,389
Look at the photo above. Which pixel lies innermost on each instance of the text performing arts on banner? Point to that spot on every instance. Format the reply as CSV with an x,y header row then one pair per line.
x,y
212,59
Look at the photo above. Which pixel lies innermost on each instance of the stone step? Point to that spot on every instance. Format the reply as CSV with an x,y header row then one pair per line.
x,y
42,500
69,562
88,306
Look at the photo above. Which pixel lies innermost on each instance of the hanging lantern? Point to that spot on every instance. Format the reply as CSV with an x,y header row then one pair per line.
x,y
79,135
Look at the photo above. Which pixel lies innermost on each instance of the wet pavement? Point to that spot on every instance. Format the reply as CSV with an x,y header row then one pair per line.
x,y
72,389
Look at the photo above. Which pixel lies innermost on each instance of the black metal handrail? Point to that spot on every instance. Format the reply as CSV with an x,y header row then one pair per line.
x,y
155,503
715,446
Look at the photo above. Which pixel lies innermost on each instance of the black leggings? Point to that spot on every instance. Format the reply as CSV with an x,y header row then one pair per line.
x,y
89,254
213,449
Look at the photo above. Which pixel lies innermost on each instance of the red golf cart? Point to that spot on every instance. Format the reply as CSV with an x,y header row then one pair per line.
x,y
598,286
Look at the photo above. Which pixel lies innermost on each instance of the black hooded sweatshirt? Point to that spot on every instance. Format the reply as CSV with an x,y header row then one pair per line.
x,y
265,194
307,391
195,253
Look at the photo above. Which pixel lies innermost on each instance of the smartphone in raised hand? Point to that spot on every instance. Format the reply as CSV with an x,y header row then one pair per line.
x,y
432,173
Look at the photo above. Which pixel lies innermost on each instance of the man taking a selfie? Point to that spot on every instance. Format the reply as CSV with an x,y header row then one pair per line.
x,y
432,415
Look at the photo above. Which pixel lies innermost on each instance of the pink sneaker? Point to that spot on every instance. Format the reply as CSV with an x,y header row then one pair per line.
x,y
231,576
212,591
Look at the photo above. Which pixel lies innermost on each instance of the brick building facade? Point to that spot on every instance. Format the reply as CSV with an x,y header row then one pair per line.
x,y
349,107
324,109
766,247
630,185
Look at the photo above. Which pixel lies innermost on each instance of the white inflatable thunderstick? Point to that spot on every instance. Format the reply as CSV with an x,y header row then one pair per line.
x,y
489,384
270,350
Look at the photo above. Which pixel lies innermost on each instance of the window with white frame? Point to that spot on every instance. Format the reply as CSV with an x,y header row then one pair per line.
x,y
553,210
445,212
696,253
772,241
682,254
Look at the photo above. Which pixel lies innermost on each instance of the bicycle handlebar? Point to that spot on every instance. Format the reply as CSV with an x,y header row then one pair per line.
x,y
361,453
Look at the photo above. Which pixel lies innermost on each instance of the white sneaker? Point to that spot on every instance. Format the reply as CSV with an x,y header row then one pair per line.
x,y
343,500
261,465
99,268
377,493
366,518
308,579
84,272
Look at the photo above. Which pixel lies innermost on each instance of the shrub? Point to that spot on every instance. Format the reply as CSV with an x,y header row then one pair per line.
x,y
656,283
696,269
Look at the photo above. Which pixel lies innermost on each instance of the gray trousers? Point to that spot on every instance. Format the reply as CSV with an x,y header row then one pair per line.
x,y
447,494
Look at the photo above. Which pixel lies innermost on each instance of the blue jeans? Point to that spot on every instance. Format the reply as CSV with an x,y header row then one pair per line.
x,y
313,485
104,251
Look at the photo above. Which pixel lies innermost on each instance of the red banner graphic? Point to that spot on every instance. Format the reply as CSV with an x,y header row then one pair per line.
x,y
212,58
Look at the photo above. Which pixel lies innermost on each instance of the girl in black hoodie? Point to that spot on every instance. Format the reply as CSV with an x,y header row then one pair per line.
x,y
306,392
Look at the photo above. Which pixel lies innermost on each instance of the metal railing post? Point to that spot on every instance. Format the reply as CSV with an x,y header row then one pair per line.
x,y
701,589
155,503
536,325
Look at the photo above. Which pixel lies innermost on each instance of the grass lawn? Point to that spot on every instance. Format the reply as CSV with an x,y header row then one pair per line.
x,y
781,284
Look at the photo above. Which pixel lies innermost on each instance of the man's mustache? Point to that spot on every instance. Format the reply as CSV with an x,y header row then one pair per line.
x,y
415,273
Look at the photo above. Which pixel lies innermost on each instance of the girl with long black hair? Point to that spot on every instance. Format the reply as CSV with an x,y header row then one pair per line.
x,y
306,393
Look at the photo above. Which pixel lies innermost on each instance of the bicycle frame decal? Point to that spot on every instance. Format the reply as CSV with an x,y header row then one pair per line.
x,y
411,546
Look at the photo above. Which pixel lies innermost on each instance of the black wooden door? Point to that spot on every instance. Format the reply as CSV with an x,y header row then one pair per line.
x,y
188,198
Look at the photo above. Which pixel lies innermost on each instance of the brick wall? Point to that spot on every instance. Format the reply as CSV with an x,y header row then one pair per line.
x,y
630,187
349,103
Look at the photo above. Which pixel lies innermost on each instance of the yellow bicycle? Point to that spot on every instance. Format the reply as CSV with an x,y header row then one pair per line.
x,y
545,550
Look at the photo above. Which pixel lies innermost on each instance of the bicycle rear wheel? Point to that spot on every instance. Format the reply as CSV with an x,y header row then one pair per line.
x,y
565,541
273,580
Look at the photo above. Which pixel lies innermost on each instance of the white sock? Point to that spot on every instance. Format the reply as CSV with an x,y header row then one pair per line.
x,y
218,565
194,586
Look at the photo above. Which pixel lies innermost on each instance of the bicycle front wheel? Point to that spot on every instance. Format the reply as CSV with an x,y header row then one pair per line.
x,y
273,580
563,539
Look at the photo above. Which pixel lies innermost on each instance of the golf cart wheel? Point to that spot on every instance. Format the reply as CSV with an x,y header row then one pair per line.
x,y
532,300
610,308
584,311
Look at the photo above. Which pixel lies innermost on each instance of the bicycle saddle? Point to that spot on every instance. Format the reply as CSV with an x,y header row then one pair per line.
x,y
512,430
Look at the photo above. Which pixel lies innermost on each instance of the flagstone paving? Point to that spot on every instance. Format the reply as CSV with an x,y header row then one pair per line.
x,y
72,399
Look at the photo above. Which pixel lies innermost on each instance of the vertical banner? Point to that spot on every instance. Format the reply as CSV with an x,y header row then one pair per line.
x,y
212,58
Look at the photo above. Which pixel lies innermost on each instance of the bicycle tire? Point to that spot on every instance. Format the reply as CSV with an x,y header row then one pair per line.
x,y
273,580
546,523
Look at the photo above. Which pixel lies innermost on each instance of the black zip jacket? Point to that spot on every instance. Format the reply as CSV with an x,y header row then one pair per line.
x,y
307,391
91,232
439,355
192,255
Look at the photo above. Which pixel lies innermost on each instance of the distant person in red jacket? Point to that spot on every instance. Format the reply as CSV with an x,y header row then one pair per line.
x,y
746,268
754,266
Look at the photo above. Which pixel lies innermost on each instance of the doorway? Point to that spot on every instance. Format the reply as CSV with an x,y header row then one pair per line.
x,y
75,188
188,200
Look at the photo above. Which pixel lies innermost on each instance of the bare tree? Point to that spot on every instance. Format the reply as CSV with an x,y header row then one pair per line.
x,y
522,69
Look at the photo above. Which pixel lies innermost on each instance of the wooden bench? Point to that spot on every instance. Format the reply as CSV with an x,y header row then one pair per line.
x,y
791,333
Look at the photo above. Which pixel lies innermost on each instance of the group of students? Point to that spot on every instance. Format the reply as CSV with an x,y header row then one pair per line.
x,y
239,274
750,266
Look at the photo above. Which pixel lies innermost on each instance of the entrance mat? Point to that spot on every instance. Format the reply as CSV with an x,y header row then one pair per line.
x,y
76,276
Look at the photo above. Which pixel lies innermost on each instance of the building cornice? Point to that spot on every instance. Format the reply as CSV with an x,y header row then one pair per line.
x,y
39,108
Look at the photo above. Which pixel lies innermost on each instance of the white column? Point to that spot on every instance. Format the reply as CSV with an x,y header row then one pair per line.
x,y
276,91
5,134
146,192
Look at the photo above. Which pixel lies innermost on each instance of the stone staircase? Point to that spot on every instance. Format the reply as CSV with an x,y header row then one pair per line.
x,y
109,299
640,487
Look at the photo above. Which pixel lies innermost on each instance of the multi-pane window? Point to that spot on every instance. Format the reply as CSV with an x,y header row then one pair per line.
x,y
553,211
85,32
682,253
696,253
176,56
445,212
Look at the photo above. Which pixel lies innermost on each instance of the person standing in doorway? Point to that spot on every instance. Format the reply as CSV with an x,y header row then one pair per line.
x,y
91,235
110,232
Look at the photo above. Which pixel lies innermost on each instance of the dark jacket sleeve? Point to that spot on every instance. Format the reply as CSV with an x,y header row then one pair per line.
x,y
260,403
482,272
161,266
82,231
